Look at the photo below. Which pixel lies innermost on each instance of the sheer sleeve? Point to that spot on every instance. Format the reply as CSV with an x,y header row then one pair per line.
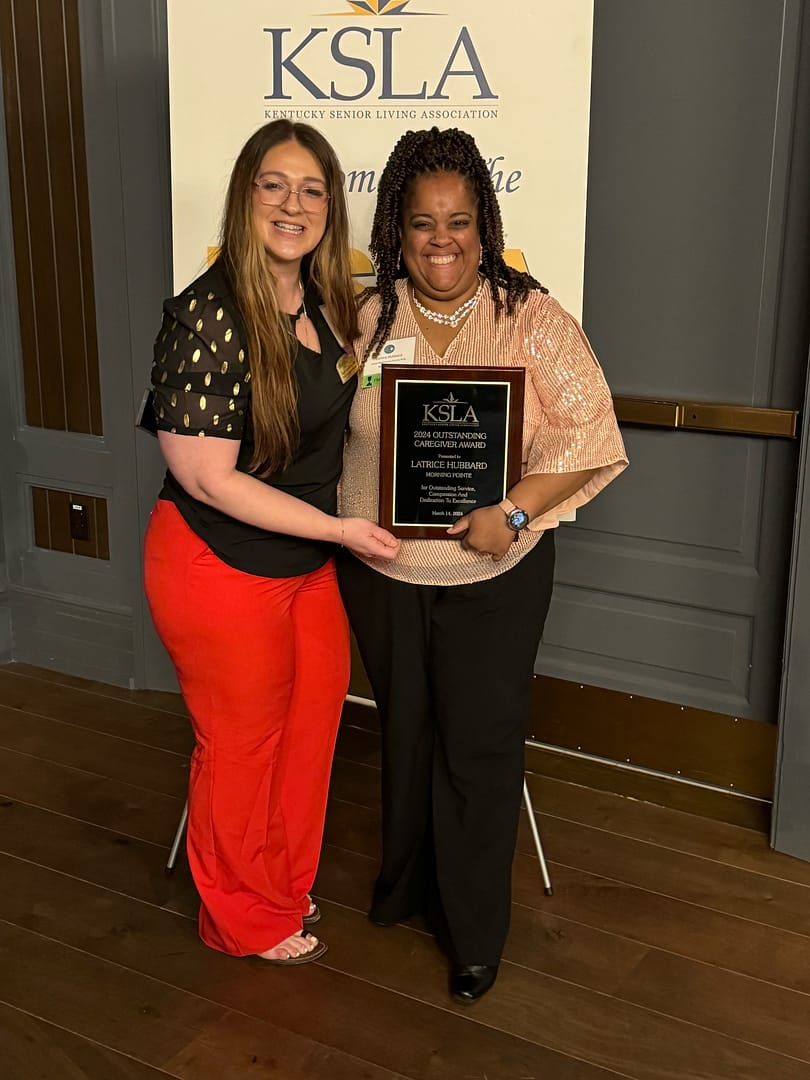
x,y
200,374
577,428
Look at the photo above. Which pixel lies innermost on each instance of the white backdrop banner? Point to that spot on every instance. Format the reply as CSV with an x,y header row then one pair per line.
x,y
516,75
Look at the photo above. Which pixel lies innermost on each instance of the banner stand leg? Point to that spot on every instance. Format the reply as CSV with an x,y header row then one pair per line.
x,y
538,843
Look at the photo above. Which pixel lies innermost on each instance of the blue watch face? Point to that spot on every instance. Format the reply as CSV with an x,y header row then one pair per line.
x,y
518,520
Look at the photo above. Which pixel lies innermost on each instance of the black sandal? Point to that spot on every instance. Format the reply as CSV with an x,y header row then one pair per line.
x,y
294,961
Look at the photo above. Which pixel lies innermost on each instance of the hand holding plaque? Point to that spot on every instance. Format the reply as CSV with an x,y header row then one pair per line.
x,y
450,442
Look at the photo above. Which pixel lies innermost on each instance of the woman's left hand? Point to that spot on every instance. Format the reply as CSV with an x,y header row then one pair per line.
x,y
484,530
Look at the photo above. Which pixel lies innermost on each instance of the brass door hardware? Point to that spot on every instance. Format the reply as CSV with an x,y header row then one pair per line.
x,y
707,416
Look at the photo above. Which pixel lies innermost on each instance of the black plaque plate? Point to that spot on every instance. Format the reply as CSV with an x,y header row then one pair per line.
x,y
450,442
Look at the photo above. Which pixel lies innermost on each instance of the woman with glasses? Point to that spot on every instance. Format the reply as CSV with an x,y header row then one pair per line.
x,y
252,389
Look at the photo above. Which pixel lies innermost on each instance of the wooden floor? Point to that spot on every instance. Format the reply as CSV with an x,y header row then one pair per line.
x,y
673,946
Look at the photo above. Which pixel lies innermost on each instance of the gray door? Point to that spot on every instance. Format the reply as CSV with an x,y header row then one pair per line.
x,y
672,584
125,72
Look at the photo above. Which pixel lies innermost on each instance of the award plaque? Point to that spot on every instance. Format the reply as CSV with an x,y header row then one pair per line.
x,y
450,441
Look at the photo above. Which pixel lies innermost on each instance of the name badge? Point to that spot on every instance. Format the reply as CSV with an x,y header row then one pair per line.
x,y
347,366
395,351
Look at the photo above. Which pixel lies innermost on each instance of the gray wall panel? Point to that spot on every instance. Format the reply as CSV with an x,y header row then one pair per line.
x,y
83,460
78,638
682,135
672,582
683,488
658,572
791,817
125,70
6,640
699,656
57,575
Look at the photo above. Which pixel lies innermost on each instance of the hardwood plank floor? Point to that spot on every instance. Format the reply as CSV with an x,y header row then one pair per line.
x,y
32,1049
673,946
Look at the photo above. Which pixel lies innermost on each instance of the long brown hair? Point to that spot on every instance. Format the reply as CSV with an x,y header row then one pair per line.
x,y
271,346
435,151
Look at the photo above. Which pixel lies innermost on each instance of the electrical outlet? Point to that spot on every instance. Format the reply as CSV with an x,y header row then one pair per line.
x,y
79,521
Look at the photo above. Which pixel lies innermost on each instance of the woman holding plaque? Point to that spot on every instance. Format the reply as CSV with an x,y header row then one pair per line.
x,y
252,390
449,629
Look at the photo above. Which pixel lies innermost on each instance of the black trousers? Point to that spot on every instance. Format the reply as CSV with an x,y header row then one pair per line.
x,y
451,670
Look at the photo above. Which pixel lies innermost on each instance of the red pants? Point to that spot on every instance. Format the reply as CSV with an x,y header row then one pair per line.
x,y
263,664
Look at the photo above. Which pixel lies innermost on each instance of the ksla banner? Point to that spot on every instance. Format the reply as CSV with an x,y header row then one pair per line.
x,y
515,75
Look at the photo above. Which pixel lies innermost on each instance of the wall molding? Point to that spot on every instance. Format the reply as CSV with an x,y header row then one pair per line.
x,y
53,633
731,753
728,752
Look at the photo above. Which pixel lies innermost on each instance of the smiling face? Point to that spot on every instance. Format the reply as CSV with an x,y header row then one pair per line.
x,y
287,231
439,238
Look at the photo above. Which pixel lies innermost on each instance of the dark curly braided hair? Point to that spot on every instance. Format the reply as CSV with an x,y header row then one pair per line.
x,y
437,151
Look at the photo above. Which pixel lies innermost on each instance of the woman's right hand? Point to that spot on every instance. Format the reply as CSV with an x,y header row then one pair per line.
x,y
363,537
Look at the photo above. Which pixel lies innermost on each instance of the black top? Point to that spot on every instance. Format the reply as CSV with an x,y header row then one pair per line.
x,y
201,379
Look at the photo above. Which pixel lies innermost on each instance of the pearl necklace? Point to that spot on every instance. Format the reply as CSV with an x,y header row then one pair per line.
x,y
452,318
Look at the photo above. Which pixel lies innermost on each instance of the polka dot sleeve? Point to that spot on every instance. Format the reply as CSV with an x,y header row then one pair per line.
x,y
200,373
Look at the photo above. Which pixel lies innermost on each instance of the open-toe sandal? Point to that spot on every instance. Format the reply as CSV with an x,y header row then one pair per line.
x,y
294,961
313,915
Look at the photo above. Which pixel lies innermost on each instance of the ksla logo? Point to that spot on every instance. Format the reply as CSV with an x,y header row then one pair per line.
x,y
370,56
450,410
381,7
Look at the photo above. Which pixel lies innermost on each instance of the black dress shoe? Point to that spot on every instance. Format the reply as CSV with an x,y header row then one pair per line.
x,y
469,982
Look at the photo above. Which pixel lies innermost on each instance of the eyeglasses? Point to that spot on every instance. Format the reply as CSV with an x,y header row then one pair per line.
x,y
276,192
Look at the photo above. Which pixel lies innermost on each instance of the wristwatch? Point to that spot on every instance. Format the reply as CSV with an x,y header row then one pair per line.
x,y
516,518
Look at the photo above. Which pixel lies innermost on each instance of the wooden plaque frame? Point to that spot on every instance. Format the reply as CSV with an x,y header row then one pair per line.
x,y
450,441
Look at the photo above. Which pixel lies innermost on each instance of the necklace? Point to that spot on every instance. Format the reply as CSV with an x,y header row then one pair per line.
x,y
303,328
302,310
452,318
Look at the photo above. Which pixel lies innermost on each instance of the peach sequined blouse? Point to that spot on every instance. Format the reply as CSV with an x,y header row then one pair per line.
x,y
568,423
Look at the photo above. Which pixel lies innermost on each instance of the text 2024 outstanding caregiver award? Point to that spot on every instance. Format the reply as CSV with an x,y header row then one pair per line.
x,y
450,441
